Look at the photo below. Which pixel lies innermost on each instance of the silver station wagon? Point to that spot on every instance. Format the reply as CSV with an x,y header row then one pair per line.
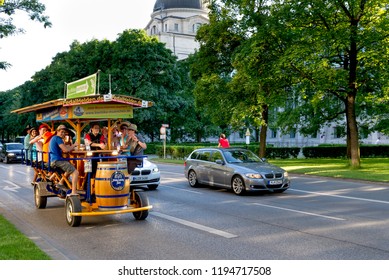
x,y
234,168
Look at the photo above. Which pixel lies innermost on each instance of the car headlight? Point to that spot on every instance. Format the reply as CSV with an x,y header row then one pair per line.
x,y
11,154
286,174
155,169
253,175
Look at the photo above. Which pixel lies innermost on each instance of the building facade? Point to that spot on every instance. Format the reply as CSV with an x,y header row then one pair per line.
x,y
175,23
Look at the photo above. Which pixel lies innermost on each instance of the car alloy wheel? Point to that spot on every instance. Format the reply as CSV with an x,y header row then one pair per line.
x,y
237,185
192,179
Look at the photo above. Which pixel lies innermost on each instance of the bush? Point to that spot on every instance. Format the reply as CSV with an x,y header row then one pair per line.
x,y
181,151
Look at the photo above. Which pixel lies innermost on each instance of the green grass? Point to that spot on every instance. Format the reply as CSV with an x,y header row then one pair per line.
x,y
372,169
15,246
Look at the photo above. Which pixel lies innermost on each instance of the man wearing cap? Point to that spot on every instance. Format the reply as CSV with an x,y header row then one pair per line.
x,y
132,142
57,147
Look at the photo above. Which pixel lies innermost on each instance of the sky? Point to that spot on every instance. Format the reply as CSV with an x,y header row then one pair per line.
x,y
81,20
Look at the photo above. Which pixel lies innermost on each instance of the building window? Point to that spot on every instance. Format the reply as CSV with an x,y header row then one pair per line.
x,y
292,134
176,27
363,132
273,133
153,30
338,132
165,27
314,135
195,27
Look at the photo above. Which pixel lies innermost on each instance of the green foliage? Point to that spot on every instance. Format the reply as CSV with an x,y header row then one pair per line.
x,y
138,65
34,10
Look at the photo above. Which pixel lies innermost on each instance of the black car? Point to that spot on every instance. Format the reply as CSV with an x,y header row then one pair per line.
x,y
12,152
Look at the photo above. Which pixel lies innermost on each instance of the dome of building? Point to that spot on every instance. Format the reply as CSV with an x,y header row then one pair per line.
x,y
174,4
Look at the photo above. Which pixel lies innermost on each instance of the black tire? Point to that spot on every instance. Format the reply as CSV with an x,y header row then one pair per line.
x,y
72,204
40,201
192,179
141,200
152,187
237,185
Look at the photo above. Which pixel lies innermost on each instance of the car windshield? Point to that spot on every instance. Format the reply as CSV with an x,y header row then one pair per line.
x,y
14,147
240,156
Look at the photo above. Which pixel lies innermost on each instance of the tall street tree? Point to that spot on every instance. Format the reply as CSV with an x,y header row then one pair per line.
x,y
340,50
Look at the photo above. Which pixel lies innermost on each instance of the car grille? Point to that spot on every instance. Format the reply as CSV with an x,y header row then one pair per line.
x,y
273,175
145,182
143,172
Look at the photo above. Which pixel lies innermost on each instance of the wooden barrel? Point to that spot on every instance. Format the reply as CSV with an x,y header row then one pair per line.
x,y
112,185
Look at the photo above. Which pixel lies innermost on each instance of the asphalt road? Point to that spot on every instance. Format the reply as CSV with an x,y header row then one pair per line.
x,y
316,219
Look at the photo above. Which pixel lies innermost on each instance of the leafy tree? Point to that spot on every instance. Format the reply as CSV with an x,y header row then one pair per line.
x,y
237,73
211,67
339,49
34,10
139,66
143,67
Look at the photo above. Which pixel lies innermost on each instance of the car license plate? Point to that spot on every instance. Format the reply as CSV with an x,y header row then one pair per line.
x,y
139,178
19,157
275,182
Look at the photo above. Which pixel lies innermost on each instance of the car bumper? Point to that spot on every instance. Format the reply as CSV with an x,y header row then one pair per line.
x,y
15,158
267,185
141,180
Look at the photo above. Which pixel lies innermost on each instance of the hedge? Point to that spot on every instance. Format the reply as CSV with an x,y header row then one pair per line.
x,y
181,151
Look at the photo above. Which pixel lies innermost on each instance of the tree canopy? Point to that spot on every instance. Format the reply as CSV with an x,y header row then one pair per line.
x,y
326,59
33,8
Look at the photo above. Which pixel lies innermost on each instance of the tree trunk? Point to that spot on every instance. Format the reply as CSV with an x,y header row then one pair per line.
x,y
263,134
352,126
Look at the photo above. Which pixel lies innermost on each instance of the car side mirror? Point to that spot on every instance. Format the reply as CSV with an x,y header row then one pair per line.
x,y
264,159
219,161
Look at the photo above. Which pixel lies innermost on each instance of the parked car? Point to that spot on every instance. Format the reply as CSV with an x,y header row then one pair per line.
x,y
234,168
12,152
146,175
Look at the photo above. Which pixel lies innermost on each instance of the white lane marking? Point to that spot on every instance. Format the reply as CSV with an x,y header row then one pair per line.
x,y
319,182
195,225
12,189
301,212
21,172
169,180
180,189
342,196
175,173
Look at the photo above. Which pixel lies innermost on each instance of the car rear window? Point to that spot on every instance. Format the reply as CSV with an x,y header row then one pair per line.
x,y
194,155
205,155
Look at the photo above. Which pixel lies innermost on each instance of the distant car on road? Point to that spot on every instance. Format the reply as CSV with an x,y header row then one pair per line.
x,y
146,175
234,168
12,152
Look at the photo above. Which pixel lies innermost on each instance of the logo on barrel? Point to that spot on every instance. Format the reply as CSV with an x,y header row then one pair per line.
x,y
118,180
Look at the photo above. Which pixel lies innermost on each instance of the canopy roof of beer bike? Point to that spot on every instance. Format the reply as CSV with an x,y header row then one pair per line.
x,y
86,107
